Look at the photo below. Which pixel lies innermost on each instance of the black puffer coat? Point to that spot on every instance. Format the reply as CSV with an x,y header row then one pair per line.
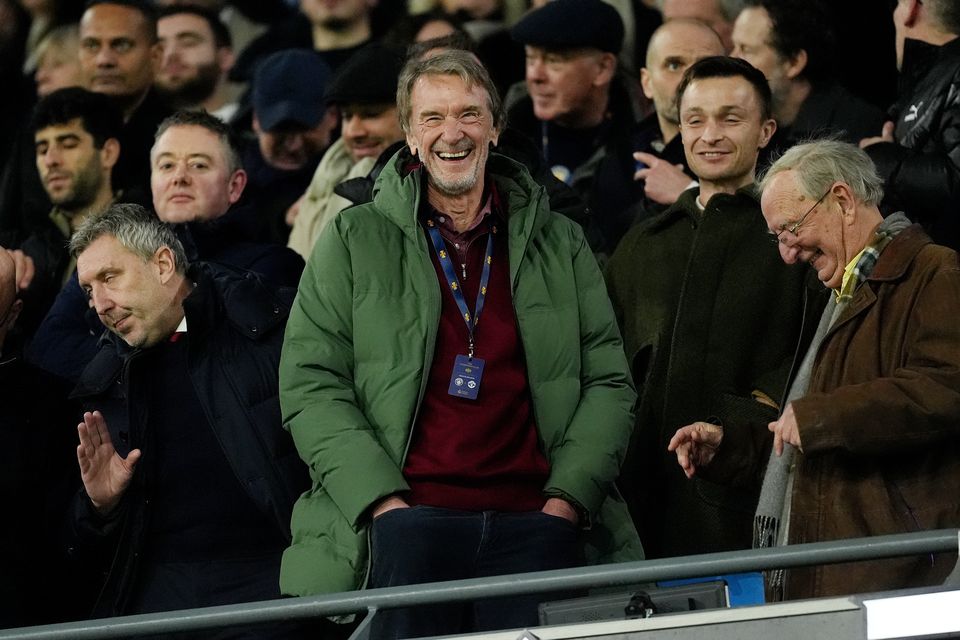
x,y
922,169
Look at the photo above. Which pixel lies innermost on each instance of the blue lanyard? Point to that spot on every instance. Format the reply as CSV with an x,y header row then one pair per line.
x,y
454,283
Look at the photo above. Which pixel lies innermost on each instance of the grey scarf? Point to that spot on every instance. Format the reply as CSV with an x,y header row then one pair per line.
x,y
779,475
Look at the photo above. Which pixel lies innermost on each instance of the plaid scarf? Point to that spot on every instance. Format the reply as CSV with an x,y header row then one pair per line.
x,y
869,256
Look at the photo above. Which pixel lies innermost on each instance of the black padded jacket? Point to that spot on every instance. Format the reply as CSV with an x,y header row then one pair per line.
x,y
921,169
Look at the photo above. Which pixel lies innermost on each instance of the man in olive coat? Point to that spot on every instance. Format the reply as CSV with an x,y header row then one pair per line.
x,y
711,319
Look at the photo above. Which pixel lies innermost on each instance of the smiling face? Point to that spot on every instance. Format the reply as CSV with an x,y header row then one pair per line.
x,y
190,175
818,240
723,129
134,299
73,170
368,129
451,128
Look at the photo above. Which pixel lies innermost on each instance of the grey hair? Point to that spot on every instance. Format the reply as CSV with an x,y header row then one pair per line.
x,y
135,228
452,62
820,163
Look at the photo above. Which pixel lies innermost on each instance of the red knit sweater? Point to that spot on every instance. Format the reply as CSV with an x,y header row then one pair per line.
x,y
481,454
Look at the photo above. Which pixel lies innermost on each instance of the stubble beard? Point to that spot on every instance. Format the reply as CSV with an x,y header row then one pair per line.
x,y
82,193
455,187
192,91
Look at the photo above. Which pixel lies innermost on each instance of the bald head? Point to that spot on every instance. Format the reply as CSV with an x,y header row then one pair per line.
x,y
673,47
680,33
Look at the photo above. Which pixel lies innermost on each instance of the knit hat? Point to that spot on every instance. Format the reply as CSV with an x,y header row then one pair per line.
x,y
369,76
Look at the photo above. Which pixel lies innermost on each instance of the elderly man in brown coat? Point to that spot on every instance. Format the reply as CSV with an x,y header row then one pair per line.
x,y
873,419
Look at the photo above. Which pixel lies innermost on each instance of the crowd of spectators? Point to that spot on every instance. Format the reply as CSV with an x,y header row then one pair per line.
x,y
245,246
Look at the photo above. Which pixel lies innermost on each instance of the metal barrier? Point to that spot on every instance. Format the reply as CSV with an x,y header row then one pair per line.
x,y
627,573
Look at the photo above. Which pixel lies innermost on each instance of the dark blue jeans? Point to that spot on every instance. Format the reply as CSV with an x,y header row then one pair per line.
x,y
428,544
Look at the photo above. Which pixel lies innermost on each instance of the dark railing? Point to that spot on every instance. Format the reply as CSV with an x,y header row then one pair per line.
x,y
609,575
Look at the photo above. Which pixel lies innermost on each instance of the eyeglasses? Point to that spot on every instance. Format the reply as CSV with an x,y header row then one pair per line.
x,y
790,233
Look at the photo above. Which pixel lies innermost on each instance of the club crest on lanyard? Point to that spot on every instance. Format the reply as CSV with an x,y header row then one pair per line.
x,y
467,369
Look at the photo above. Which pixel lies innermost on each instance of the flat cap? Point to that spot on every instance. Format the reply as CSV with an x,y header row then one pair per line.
x,y
369,76
289,86
569,24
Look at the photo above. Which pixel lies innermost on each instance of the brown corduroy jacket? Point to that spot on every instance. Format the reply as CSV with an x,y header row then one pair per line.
x,y
880,426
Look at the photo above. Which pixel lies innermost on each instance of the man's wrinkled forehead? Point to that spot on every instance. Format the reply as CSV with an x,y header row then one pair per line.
x,y
781,197
428,85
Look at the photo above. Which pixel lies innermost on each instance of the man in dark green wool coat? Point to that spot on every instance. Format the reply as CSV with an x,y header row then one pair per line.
x,y
711,319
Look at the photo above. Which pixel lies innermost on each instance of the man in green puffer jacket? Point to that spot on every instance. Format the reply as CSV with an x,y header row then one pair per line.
x,y
453,375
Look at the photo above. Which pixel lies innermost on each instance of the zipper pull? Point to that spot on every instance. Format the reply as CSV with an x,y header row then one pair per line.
x,y
463,270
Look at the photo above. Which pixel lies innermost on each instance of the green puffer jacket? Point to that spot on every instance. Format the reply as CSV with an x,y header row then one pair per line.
x,y
357,354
